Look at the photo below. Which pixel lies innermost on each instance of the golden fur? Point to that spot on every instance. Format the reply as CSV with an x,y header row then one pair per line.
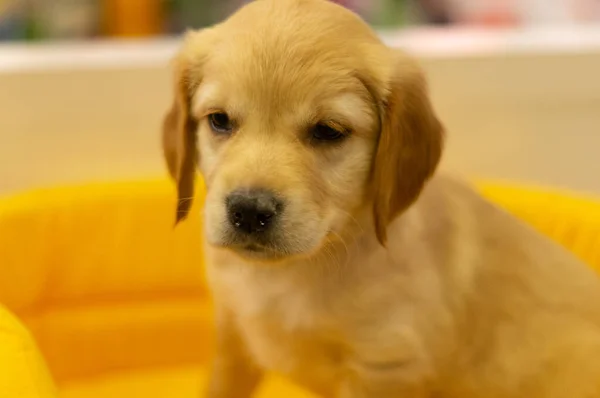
x,y
383,281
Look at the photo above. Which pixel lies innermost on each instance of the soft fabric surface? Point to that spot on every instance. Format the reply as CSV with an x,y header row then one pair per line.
x,y
114,294
23,373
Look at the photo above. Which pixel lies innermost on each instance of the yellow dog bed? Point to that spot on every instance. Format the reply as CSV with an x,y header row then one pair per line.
x,y
114,296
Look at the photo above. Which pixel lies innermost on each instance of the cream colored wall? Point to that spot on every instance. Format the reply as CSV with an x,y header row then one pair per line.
x,y
516,107
531,118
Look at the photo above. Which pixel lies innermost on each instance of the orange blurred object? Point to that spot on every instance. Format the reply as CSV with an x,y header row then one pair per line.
x,y
133,18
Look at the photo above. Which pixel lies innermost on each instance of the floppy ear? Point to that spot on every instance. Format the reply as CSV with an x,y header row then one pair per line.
x,y
179,140
179,135
410,145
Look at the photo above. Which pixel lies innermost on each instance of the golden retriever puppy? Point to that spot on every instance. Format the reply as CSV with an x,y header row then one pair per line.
x,y
334,254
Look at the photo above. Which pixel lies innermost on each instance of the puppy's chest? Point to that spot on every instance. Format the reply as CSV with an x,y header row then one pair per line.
x,y
288,326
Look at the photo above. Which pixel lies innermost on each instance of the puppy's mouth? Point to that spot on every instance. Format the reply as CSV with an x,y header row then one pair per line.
x,y
258,251
268,251
269,248
254,248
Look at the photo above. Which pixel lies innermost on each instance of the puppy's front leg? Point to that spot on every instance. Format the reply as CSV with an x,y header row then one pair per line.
x,y
233,374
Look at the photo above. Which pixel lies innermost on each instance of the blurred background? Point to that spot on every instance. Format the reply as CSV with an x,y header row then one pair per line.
x,y
35,20
84,84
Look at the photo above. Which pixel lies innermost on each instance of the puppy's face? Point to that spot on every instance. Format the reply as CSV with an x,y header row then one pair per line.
x,y
285,150
287,119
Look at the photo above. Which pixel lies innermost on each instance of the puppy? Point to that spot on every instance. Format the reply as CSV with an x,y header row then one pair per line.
x,y
334,254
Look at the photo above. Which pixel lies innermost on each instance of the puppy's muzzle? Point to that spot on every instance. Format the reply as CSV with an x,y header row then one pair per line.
x,y
253,212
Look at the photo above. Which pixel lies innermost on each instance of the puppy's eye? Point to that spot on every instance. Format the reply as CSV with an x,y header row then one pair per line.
x,y
325,132
220,123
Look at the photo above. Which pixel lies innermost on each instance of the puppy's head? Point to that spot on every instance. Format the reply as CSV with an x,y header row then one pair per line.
x,y
299,119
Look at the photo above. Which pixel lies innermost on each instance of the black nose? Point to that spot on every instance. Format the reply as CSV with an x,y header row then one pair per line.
x,y
252,211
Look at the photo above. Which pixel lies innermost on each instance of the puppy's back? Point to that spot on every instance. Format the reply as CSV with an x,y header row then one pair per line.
x,y
531,310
